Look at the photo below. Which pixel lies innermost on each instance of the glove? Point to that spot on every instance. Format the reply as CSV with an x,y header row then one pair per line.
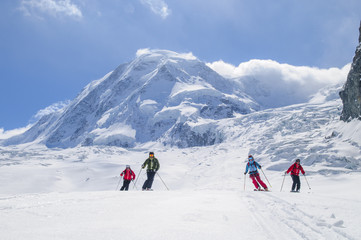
x,y
143,166
285,172
260,167
245,173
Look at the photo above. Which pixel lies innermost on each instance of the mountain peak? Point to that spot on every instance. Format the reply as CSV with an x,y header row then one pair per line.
x,y
160,96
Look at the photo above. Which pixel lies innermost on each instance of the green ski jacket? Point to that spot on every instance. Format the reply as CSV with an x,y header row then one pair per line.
x,y
152,164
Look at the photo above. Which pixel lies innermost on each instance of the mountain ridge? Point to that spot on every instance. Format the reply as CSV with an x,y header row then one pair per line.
x,y
157,93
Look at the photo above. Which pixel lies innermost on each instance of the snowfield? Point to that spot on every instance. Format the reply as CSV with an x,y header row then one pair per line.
x,y
329,210
181,214
72,193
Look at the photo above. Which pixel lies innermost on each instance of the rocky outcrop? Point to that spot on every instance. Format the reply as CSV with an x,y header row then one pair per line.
x,y
351,93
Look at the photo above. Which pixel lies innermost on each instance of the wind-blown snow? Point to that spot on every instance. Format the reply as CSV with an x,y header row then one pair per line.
x,y
56,107
170,54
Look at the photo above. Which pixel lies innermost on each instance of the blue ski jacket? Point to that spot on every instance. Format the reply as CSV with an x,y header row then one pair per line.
x,y
252,167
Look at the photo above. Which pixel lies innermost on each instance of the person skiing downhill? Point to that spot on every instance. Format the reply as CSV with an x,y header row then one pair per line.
x,y
128,176
295,170
252,166
152,165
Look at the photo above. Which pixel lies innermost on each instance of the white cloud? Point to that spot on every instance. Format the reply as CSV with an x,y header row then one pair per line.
x,y
159,7
274,85
10,133
51,7
287,73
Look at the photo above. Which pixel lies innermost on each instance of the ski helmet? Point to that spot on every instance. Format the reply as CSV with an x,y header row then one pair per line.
x,y
298,160
151,153
250,157
127,166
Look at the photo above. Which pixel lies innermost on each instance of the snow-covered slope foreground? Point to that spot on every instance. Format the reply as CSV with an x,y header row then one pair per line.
x,y
192,215
206,200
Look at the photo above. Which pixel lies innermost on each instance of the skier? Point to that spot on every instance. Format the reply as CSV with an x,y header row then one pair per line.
x,y
152,165
128,176
295,171
252,166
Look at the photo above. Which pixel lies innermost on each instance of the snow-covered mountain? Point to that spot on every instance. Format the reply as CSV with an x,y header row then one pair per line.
x,y
176,99
160,95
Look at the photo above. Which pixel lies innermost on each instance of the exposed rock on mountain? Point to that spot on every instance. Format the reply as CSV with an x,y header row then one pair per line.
x,y
351,94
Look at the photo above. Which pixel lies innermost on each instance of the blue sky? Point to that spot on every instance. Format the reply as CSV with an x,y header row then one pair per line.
x,y
50,49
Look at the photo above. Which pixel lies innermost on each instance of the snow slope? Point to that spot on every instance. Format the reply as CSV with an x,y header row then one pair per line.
x,y
180,215
73,197
71,193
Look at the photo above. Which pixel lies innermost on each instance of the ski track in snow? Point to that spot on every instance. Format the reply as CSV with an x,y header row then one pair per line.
x,y
298,224
182,214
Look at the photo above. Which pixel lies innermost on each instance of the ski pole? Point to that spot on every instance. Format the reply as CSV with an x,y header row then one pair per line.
x,y
244,187
283,182
118,183
307,182
266,178
162,181
137,178
134,185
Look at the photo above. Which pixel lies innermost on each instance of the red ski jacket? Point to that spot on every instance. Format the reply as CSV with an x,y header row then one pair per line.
x,y
295,170
128,174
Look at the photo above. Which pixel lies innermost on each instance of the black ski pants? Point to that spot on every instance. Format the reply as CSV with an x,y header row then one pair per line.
x,y
125,185
296,183
150,178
